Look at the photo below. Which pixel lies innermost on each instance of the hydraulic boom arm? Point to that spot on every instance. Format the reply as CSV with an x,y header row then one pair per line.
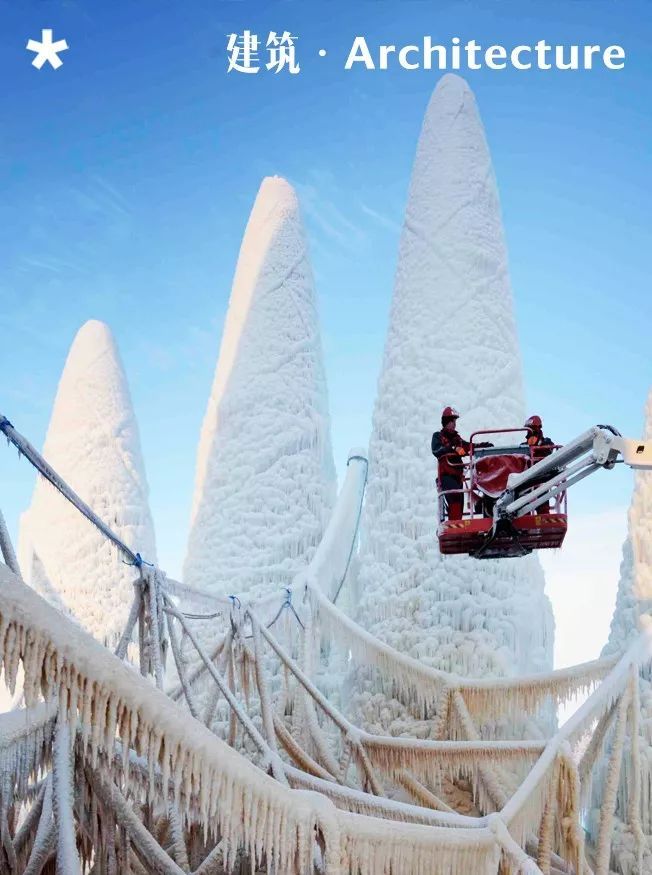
x,y
599,447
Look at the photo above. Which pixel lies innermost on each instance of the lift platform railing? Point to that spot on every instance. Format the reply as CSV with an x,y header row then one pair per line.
x,y
477,505
598,447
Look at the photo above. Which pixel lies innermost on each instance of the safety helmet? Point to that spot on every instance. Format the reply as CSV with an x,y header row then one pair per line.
x,y
449,413
533,422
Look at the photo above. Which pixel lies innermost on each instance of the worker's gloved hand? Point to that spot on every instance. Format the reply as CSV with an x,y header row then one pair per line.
x,y
460,451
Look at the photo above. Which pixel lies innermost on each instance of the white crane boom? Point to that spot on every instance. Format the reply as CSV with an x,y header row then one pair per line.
x,y
599,447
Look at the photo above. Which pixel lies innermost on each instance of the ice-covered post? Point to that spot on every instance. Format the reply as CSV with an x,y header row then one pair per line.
x,y
63,800
7,547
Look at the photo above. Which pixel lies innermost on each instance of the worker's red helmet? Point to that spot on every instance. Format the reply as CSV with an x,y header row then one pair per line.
x,y
449,413
533,422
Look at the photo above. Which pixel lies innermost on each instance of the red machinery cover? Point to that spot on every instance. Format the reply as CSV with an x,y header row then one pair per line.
x,y
491,472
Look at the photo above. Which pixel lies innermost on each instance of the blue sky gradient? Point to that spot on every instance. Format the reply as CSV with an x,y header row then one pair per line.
x,y
128,175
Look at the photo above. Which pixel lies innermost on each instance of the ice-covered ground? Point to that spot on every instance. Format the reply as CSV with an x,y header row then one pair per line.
x,y
265,480
452,340
93,443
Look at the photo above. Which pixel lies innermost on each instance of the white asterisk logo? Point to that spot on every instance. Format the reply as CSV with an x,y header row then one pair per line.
x,y
46,50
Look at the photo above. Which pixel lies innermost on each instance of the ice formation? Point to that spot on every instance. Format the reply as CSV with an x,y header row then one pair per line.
x,y
633,603
112,709
634,596
265,477
93,442
452,340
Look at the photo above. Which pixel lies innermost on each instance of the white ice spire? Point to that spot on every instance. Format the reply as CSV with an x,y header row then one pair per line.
x,y
93,443
452,340
265,478
634,599
635,588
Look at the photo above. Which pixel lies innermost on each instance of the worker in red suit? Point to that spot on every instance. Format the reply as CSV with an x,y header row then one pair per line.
x,y
449,449
541,446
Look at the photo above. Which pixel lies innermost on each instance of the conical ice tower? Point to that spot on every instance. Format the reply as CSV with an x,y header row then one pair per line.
x,y
265,478
452,340
633,602
93,443
635,588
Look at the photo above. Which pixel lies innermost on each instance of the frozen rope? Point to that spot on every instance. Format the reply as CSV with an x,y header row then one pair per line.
x,y
7,548
138,562
45,470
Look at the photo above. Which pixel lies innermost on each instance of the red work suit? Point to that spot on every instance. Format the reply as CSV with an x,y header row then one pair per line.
x,y
541,447
445,446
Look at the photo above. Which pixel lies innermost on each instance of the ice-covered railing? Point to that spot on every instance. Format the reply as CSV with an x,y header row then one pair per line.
x,y
250,809
111,700
197,775
487,698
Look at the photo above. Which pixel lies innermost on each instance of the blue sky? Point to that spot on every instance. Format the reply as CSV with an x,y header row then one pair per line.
x,y
127,177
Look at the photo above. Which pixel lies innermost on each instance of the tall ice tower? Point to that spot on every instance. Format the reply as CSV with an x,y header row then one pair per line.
x,y
265,479
633,608
93,443
452,340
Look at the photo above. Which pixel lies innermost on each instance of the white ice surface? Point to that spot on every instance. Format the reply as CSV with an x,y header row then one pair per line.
x,y
635,588
93,443
265,481
633,601
452,340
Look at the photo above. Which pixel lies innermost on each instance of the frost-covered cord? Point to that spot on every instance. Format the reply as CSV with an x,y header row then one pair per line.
x,y
136,605
223,664
286,604
199,670
7,841
37,461
138,562
112,798
152,582
31,819
45,838
312,724
265,705
181,670
241,714
214,616
7,547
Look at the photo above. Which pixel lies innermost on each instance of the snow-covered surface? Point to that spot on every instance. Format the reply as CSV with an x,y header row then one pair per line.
x,y
633,608
452,340
219,787
265,480
250,807
93,443
634,596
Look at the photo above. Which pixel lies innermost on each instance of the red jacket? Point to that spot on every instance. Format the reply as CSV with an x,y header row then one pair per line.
x,y
444,446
